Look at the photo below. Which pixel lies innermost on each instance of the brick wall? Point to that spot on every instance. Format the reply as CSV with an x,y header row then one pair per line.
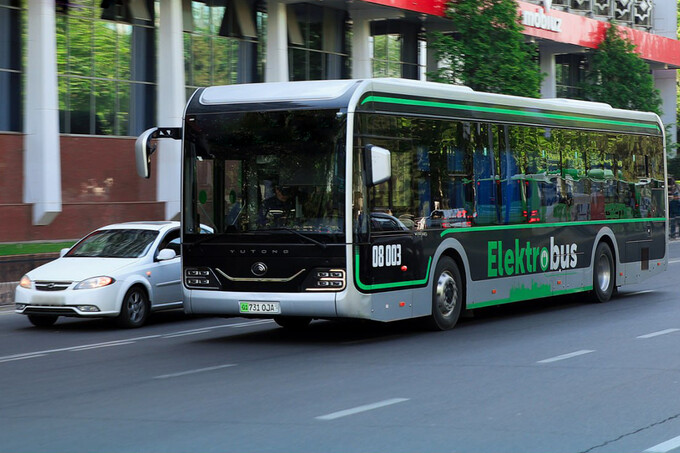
x,y
99,186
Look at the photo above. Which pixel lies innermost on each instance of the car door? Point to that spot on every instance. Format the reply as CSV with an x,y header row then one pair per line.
x,y
166,274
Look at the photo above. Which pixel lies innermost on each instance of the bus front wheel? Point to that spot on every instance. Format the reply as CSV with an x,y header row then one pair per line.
x,y
603,273
292,322
447,295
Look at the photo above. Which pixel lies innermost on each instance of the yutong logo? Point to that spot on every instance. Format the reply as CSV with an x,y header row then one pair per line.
x,y
527,259
258,269
273,252
542,20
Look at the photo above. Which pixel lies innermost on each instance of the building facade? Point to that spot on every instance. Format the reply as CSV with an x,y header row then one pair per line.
x,y
79,80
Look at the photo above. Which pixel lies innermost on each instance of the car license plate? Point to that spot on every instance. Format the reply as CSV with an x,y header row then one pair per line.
x,y
259,307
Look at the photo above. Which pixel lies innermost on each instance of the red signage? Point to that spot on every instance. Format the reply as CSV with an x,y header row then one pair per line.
x,y
585,32
431,7
563,27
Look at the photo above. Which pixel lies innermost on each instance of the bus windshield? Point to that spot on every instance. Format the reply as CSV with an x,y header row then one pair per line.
x,y
259,172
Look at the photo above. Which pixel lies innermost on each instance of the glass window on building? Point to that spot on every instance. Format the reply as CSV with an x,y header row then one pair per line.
x,y
221,45
569,75
396,49
106,67
317,43
11,45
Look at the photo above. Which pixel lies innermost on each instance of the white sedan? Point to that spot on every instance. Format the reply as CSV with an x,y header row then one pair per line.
x,y
125,271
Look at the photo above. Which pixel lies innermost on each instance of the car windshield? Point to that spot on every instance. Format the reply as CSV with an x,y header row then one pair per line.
x,y
114,244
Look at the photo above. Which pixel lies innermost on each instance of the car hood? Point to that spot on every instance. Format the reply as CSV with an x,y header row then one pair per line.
x,y
77,269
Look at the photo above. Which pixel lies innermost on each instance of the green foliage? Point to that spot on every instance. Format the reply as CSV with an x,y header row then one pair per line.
x,y
30,248
618,76
488,51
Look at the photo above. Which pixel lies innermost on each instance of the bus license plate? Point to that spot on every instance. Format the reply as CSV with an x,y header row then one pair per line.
x,y
259,307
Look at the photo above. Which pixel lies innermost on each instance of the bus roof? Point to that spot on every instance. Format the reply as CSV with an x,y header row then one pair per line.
x,y
391,95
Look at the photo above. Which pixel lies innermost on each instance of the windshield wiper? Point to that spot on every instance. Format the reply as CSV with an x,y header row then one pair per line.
x,y
297,233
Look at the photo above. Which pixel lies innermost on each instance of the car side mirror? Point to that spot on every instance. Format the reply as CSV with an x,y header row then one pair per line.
x,y
63,252
166,254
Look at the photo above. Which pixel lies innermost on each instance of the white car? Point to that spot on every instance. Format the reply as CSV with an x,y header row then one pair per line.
x,y
125,271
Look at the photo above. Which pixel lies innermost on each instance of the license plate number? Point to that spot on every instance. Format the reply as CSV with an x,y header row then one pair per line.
x,y
259,307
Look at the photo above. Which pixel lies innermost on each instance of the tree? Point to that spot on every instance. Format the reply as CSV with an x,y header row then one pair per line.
x,y
488,52
618,76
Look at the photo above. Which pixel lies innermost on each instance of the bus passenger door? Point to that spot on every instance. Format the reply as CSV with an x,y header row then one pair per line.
x,y
391,263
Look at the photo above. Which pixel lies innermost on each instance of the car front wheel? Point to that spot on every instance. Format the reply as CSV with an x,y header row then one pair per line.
x,y
42,320
135,308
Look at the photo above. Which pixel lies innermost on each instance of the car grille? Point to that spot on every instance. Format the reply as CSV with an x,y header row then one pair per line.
x,y
52,286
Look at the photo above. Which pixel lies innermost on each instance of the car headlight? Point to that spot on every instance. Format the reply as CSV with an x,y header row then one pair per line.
x,y
25,282
95,282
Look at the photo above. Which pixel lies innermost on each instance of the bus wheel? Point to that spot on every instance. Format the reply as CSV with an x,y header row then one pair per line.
x,y
603,273
447,295
292,322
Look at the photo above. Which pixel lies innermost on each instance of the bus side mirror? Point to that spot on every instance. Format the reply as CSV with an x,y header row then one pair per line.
x,y
378,165
144,149
143,152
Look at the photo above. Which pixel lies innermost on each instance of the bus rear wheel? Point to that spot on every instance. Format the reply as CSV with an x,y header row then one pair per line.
x,y
604,275
447,295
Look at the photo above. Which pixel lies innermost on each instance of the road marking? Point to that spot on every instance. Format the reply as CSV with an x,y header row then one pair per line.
x,y
183,334
637,293
656,334
199,370
21,357
221,326
365,408
566,356
102,345
85,347
665,446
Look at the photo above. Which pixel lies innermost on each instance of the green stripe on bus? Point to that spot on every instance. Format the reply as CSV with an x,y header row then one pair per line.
x,y
536,292
388,285
390,100
547,225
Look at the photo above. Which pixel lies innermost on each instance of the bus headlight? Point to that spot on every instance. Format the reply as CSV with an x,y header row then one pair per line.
x,y
200,277
326,280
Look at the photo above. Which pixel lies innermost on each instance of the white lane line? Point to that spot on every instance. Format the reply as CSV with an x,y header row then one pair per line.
x,y
221,326
175,335
23,357
637,293
103,345
665,446
566,356
660,332
199,370
365,408
84,347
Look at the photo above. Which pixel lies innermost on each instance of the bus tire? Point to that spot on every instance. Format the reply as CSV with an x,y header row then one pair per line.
x,y
447,295
604,275
292,322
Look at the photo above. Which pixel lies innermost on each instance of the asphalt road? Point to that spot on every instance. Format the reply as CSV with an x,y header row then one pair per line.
x,y
546,376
